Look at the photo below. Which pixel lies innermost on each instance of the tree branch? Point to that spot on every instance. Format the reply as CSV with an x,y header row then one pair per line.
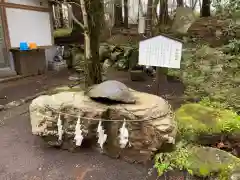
x,y
85,16
70,11
74,18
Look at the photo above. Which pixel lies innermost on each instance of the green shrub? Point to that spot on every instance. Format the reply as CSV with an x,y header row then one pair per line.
x,y
208,72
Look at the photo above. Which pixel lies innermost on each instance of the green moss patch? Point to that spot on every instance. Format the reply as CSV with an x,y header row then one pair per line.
x,y
63,32
198,161
196,119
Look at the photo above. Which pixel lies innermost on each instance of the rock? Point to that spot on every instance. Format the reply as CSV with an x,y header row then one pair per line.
x,y
1,107
106,65
78,60
13,104
74,77
145,137
214,161
104,52
197,122
115,56
207,162
113,91
184,18
122,64
137,75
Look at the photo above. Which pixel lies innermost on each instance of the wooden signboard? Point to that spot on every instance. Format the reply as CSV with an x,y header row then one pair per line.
x,y
160,51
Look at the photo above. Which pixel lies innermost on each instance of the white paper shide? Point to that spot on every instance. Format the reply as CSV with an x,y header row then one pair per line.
x,y
123,136
78,133
102,137
60,128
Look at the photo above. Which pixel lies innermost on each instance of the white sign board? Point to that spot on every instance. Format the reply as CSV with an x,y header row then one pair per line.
x,y
160,51
29,26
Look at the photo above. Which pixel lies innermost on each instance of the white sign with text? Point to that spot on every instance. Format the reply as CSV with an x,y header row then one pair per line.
x,y
160,51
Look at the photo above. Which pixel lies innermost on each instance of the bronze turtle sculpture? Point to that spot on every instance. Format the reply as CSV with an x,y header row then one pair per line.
x,y
111,90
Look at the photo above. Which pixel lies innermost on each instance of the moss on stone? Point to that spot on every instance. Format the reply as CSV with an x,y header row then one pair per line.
x,y
62,32
198,161
196,119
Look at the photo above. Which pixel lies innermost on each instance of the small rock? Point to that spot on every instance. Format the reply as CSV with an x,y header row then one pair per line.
x,y
13,104
106,65
1,107
112,90
74,77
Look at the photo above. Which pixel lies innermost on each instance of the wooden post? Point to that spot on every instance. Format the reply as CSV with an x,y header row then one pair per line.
x,y
161,78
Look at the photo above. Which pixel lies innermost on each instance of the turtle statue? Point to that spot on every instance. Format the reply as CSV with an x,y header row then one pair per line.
x,y
112,91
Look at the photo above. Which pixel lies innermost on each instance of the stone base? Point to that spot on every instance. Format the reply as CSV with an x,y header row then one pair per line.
x,y
145,137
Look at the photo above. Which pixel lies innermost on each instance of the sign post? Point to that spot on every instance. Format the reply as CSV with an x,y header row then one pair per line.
x,y
162,52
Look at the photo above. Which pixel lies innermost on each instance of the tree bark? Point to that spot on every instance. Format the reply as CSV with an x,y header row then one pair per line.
x,y
163,14
155,14
205,12
179,3
149,18
92,17
61,19
126,13
118,13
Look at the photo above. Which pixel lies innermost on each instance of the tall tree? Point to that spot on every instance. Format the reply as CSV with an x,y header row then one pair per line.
x,y
118,13
93,18
205,10
179,3
149,18
126,13
61,19
155,14
163,14
92,14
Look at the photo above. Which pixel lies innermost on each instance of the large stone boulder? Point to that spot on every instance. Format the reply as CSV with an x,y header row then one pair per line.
x,y
184,18
205,162
207,144
149,122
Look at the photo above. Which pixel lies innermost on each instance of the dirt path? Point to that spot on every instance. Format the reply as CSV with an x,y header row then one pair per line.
x,y
24,157
15,90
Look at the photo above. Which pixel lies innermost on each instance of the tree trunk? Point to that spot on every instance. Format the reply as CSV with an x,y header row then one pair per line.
x,y
61,19
155,14
163,14
149,18
126,13
93,18
179,3
118,13
205,12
